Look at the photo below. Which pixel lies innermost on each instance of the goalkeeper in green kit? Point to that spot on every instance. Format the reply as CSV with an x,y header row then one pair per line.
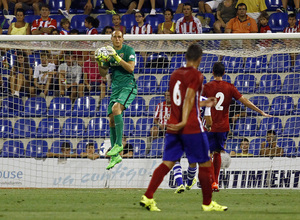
x,y
121,59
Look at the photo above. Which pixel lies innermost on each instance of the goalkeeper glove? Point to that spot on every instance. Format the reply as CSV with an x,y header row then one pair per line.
x,y
111,52
101,55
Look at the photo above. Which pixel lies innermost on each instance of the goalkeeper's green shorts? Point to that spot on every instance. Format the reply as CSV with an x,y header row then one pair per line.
x,y
123,96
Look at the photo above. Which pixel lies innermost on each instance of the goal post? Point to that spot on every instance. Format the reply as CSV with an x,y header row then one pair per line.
x,y
44,108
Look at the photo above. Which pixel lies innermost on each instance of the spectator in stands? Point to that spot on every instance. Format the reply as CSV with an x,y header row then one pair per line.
x,y
127,149
5,7
45,24
291,28
70,74
162,114
225,11
65,24
91,24
54,32
270,148
34,5
88,7
242,23
183,24
141,27
116,20
254,7
107,30
112,4
167,27
263,20
90,152
44,74
244,147
65,151
295,4
93,81
20,27
21,76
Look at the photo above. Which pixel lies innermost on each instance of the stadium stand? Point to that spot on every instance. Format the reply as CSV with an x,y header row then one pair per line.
x,y
37,149
13,148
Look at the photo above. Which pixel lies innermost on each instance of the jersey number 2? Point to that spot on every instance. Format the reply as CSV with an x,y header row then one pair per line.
x,y
177,94
219,106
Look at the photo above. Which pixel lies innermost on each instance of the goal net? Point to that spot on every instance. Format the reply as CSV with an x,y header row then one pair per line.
x,y
54,127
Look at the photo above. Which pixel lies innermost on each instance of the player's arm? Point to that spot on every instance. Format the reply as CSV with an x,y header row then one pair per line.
x,y
128,66
250,105
188,103
208,121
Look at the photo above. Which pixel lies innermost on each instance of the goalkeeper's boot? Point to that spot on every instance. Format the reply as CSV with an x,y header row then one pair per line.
x,y
187,187
215,187
114,160
149,204
115,150
180,189
213,206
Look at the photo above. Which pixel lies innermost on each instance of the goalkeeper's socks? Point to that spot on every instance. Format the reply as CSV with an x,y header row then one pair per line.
x,y
157,177
205,179
178,173
119,129
217,166
191,173
112,136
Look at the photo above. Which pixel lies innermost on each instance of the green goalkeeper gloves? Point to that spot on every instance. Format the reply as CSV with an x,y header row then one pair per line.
x,y
101,55
111,52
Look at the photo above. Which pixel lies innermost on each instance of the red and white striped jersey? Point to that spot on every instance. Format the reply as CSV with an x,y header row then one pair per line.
x,y
193,26
92,31
49,23
64,32
145,29
162,112
294,29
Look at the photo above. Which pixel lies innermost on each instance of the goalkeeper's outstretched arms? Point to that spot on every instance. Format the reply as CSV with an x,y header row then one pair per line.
x,y
128,66
250,105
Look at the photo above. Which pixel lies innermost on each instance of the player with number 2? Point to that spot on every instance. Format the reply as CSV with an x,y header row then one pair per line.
x,y
224,92
185,131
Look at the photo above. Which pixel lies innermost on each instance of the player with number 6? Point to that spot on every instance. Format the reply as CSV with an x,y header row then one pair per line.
x,y
224,92
121,59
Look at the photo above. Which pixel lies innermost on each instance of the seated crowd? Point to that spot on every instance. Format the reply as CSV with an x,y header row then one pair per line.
x,y
229,16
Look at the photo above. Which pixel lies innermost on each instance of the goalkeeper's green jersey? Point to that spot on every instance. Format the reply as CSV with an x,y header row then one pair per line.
x,y
120,77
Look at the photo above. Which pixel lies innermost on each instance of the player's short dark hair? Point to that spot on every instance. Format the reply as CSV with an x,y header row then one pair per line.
x,y
117,15
20,10
240,5
170,10
74,31
89,144
66,145
293,15
271,132
188,4
194,52
43,5
218,69
140,12
107,27
245,140
94,21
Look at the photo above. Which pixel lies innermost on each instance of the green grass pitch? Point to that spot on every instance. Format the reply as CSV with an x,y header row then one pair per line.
x,y
122,204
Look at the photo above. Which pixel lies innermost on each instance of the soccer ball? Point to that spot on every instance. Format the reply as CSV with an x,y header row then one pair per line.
x,y
101,54
225,160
